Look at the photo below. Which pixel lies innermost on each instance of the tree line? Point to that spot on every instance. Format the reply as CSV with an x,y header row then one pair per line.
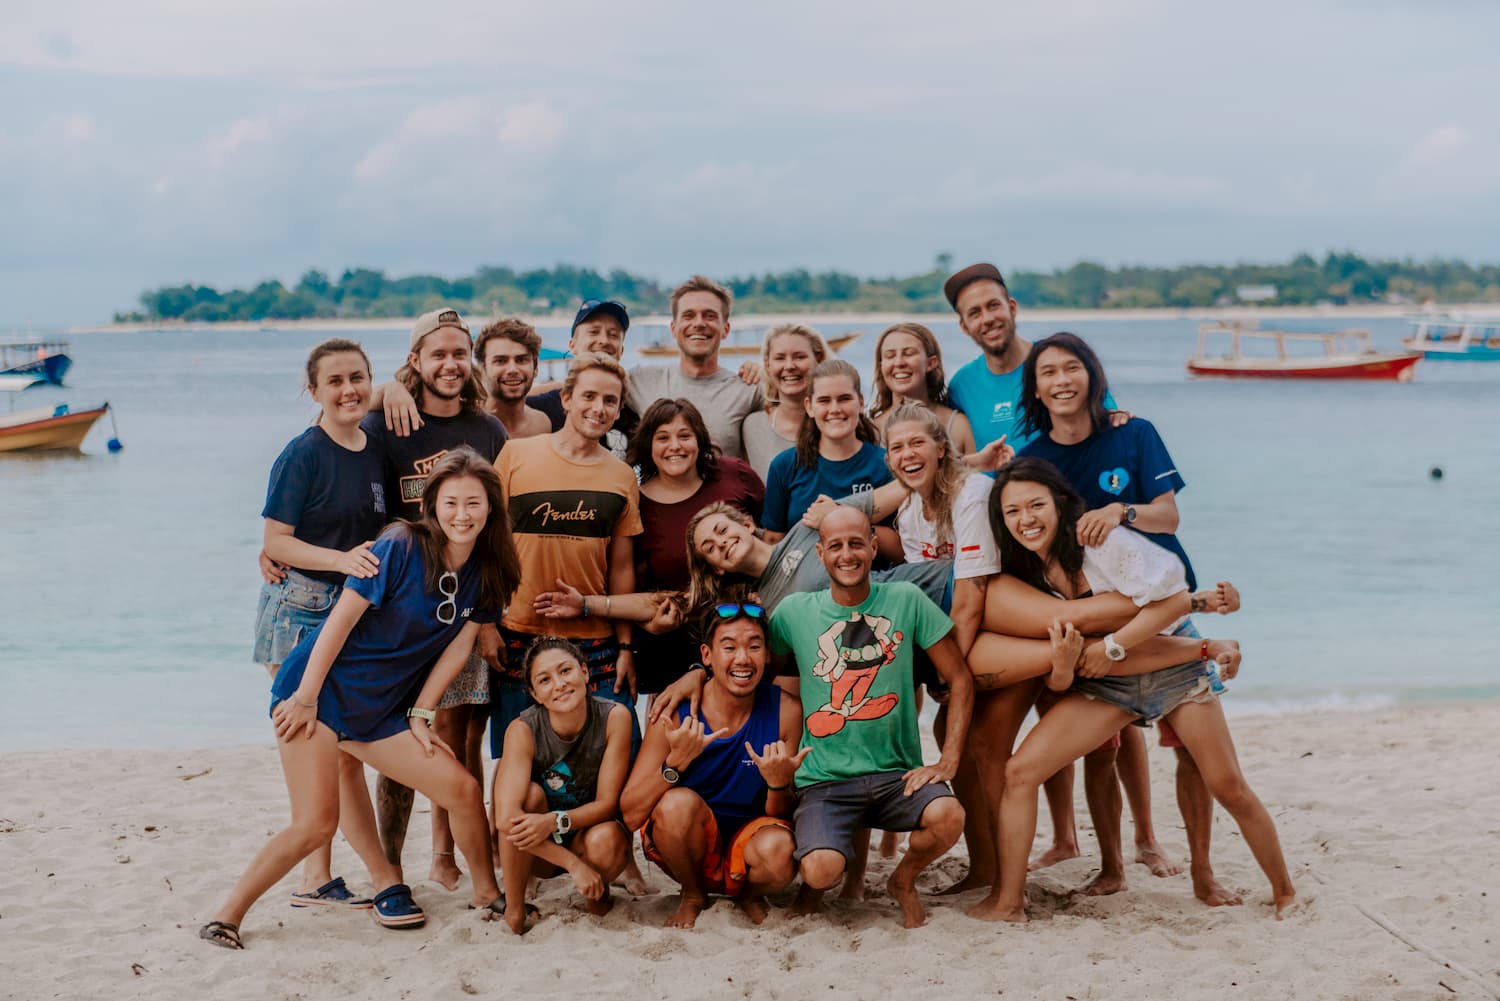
x,y
1339,278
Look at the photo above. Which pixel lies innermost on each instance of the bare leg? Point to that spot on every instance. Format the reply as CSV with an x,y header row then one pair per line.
x,y
452,725
854,878
317,868
516,865
1134,767
604,847
1206,735
768,868
1071,728
393,803
997,719
820,869
1101,787
942,823
1059,792
679,827
1197,806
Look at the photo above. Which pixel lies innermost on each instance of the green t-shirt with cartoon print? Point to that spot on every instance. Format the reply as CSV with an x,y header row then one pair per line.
x,y
859,709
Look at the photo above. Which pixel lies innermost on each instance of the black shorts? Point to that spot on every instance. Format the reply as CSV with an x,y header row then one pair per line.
x,y
829,813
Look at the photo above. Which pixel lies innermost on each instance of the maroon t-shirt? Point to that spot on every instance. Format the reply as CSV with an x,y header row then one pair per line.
x,y
662,546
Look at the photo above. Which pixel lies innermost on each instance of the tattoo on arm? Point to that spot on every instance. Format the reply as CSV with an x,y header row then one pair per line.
x,y
1199,603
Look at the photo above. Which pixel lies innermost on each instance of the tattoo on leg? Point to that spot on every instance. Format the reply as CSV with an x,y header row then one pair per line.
x,y
393,803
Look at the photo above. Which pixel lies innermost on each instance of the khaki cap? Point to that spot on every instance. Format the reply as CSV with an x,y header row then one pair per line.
x,y
436,320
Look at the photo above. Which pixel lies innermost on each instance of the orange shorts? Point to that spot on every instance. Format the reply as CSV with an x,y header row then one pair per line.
x,y
723,871
1048,698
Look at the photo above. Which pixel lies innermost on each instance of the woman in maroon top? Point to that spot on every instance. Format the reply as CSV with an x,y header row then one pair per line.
x,y
681,473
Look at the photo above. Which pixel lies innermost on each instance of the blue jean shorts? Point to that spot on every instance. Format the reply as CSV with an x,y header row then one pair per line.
x,y
289,611
1149,697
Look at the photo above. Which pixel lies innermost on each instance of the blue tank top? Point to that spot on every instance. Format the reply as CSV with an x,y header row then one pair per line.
x,y
725,776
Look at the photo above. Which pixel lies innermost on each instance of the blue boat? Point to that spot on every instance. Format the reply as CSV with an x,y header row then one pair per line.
x,y
46,360
1454,338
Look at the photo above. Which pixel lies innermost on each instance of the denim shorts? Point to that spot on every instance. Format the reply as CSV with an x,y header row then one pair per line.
x,y
1149,697
289,611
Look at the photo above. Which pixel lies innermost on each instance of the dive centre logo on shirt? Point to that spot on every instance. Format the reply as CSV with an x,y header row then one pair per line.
x,y
1114,480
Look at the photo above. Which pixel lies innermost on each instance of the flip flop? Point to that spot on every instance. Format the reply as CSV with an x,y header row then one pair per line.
x,y
395,908
332,893
222,934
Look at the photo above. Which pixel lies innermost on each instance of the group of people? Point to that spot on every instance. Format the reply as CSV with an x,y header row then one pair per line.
x,y
782,566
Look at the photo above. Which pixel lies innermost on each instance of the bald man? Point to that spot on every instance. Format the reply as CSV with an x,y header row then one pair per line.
x,y
853,645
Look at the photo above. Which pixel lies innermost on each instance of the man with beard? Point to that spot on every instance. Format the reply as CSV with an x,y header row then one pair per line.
x,y
598,328
508,351
700,322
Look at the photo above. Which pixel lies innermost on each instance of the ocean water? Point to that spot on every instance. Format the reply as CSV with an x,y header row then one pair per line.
x,y
128,581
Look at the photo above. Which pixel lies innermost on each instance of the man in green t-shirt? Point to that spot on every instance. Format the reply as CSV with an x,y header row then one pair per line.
x,y
853,647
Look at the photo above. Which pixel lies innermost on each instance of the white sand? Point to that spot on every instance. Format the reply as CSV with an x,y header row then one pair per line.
x,y
109,859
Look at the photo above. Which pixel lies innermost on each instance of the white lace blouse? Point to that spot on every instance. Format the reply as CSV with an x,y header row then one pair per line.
x,y
1135,566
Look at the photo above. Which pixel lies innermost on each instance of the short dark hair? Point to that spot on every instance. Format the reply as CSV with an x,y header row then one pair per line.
x,y
710,621
664,412
512,329
540,646
1035,417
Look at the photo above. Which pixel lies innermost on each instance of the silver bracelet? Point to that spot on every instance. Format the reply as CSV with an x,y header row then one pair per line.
x,y
305,705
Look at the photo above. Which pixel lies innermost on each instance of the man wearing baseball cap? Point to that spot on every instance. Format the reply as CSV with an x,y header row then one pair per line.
x,y
598,327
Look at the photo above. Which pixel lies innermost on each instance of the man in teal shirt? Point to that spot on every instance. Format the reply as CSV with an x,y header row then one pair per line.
x,y
853,646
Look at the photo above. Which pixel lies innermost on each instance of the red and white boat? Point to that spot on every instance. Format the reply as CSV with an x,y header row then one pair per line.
x,y
1253,353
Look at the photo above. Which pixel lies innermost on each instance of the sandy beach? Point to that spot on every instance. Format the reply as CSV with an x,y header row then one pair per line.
x,y
113,859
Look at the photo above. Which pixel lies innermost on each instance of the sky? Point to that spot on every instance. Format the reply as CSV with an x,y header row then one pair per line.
x,y
226,142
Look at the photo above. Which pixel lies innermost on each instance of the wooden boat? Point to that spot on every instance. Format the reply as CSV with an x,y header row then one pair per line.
x,y
1347,354
1455,338
47,359
49,429
665,347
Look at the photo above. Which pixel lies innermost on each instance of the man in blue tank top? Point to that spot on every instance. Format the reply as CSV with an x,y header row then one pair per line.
x,y
712,790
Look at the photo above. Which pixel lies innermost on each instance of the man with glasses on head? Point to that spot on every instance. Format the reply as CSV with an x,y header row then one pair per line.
x,y
598,328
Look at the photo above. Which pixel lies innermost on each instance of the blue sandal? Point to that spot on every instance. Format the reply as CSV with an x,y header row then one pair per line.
x,y
394,908
332,893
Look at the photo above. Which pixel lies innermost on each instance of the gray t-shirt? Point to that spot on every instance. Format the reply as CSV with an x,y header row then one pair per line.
x,y
795,566
722,399
762,442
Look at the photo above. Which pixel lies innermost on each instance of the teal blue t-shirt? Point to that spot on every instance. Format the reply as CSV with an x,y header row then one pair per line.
x,y
992,403
859,709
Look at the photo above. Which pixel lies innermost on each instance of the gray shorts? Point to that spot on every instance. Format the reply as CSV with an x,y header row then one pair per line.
x,y
1151,696
829,813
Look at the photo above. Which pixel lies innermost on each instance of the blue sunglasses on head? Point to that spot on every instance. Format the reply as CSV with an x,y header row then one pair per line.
x,y
729,610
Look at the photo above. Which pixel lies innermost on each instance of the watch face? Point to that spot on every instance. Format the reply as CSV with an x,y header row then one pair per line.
x,y
669,773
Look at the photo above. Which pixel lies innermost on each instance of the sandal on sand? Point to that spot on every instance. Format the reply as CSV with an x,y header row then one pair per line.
x,y
222,933
332,893
394,908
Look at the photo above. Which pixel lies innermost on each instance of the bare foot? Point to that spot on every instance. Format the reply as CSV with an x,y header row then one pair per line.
x,y
1104,884
756,908
517,918
688,908
853,888
1283,902
890,843
1158,861
633,881
445,872
1052,856
599,908
1209,890
973,881
903,888
807,901
989,909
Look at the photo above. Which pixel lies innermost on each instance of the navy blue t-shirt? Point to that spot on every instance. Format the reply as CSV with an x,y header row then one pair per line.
x,y
1128,464
791,488
332,497
409,460
378,674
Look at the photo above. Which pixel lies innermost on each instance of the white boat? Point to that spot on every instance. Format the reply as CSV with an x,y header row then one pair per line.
x,y
1455,338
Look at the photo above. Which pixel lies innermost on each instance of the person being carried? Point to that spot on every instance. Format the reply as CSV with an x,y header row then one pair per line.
x,y
557,784
712,789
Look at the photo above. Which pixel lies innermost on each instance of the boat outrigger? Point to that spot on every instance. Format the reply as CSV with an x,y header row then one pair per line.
x,y
49,360
1455,338
1347,354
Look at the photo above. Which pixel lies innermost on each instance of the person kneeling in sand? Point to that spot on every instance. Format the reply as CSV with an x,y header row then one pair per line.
x,y
557,784
711,789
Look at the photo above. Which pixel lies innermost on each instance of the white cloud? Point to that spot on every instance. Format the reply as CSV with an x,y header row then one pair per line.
x,y
1447,163
533,127
244,132
439,137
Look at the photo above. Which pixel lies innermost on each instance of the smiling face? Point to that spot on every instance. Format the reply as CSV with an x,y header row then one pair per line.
x,y
789,361
601,334
1030,513
509,369
846,545
443,361
593,406
1062,382
987,313
723,543
835,404
461,508
699,325
913,455
674,447
342,388
557,681
904,364
736,653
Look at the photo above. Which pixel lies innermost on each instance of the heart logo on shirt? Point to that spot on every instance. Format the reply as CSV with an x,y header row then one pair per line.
x,y
1114,480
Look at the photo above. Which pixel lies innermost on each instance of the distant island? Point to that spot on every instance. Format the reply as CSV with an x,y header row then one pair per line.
x,y
365,293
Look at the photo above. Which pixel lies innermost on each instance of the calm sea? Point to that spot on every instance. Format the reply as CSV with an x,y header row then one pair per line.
x,y
128,581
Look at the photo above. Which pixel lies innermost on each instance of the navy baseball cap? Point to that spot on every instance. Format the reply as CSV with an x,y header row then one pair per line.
x,y
609,306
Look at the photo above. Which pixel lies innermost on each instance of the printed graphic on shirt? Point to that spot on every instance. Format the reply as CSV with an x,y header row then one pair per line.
x,y
589,514
1114,480
412,486
565,790
378,489
939,551
851,653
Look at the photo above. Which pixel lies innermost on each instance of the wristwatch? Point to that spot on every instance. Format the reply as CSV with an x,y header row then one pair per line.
x,y
427,714
564,825
1129,518
1112,649
669,773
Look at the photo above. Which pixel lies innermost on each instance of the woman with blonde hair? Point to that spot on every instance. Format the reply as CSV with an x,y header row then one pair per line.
x,y
789,355
909,369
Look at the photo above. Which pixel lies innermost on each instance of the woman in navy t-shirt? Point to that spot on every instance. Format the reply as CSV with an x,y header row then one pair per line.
x,y
366,683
